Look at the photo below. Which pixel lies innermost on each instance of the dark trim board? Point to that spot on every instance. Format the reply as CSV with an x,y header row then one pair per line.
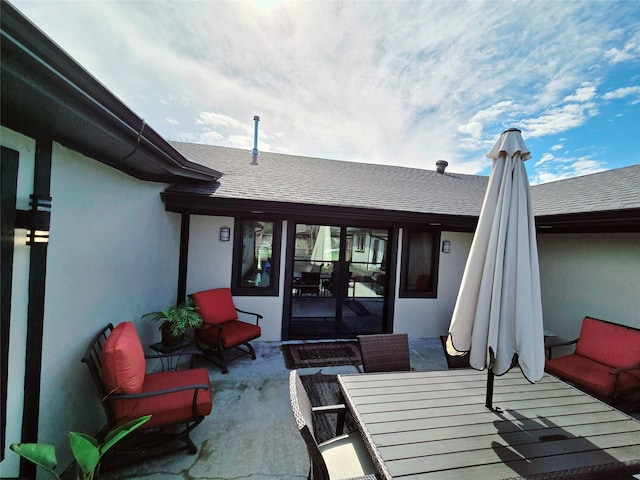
x,y
204,202
35,311
185,221
208,205
9,180
611,221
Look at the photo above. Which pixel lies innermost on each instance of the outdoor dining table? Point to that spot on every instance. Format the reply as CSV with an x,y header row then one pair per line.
x,y
434,425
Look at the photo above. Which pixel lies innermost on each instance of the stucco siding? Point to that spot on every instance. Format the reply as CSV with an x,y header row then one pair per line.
x,y
430,318
210,262
112,256
594,275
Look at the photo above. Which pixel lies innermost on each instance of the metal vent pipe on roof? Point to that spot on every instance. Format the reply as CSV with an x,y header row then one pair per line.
x,y
441,165
255,152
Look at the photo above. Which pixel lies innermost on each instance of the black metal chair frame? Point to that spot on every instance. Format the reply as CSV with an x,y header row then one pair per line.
x,y
144,441
303,413
215,354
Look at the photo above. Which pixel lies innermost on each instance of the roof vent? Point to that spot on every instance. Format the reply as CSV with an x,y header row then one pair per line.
x,y
255,152
441,165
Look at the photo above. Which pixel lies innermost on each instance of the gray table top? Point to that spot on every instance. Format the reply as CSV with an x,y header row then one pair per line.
x,y
435,425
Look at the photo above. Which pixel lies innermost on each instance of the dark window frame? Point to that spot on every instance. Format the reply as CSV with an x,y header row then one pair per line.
x,y
236,275
404,261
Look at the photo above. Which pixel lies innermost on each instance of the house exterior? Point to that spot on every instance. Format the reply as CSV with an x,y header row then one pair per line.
x,y
103,221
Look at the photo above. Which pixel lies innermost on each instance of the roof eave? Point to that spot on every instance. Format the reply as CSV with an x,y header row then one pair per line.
x,y
182,202
46,94
609,221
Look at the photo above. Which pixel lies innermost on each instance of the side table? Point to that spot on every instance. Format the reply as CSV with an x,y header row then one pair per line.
x,y
171,354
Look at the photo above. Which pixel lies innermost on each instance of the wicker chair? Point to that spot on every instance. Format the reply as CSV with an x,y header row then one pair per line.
x,y
342,457
385,352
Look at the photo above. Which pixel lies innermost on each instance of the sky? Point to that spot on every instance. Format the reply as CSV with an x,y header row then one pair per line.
x,y
390,82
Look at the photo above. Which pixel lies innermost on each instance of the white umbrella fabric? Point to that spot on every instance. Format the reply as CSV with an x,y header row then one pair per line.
x,y
497,318
322,253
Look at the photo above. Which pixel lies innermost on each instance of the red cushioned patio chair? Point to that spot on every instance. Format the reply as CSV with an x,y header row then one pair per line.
x,y
176,400
221,329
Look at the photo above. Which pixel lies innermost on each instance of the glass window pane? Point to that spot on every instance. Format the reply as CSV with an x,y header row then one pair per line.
x,y
419,264
420,261
257,251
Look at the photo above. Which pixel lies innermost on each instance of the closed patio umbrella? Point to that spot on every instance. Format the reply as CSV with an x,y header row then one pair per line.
x,y
497,318
322,253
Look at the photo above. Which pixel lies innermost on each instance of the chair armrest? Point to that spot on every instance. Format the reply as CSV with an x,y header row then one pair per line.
x,y
339,408
563,344
617,371
177,353
156,393
329,408
257,315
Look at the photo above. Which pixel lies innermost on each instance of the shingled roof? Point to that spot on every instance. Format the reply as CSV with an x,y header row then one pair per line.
x,y
392,191
318,181
610,190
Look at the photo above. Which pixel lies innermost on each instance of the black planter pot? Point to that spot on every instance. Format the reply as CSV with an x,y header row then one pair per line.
x,y
168,339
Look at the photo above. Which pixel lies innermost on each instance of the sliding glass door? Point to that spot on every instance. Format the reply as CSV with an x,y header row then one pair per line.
x,y
339,283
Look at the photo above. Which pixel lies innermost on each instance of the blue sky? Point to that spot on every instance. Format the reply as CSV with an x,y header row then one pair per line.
x,y
397,82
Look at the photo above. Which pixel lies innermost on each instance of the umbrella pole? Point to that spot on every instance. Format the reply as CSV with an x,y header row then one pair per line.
x,y
489,398
490,376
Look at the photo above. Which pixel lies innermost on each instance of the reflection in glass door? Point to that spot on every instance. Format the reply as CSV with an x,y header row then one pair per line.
x,y
339,287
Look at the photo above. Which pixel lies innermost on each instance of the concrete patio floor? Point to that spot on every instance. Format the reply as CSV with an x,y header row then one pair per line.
x,y
251,433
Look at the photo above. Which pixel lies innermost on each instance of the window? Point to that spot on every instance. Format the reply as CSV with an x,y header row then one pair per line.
x,y
359,240
418,277
256,257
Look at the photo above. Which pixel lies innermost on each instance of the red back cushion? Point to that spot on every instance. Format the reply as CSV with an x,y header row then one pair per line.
x,y
215,305
123,363
609,344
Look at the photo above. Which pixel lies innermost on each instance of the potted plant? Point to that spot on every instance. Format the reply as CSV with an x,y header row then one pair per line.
x,y
86,450
174,321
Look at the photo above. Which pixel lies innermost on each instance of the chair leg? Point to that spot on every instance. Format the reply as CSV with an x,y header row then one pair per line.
x,y
223,363
217,356
191,447
251,350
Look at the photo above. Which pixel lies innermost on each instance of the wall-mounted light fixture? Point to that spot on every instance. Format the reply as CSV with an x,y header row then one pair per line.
x,y
225,234
36,220
446,246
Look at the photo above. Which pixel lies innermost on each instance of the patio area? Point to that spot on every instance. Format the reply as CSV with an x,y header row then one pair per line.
x,y
251,432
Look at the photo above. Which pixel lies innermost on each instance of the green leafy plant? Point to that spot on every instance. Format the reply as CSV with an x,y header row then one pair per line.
x,y
85,448
177,318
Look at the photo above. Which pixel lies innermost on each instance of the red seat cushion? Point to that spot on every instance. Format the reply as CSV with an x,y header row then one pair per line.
x,y
235,332
123,362
167,408
591,375
610,344
215,305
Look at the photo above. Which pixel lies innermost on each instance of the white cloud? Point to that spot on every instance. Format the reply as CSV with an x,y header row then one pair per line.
x,y
386,82
622,92
585,93
629,51
561,119
557,168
